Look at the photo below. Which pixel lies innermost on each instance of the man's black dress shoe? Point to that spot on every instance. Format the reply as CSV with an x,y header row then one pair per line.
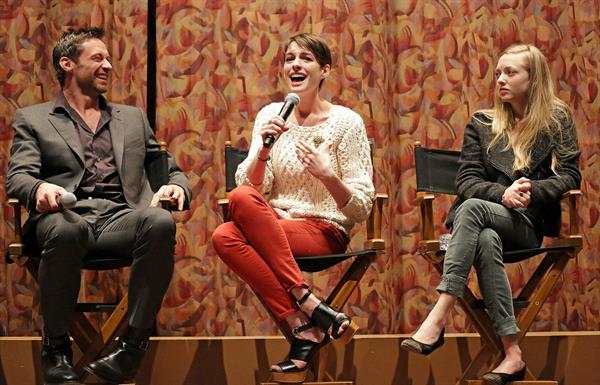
x,y
57,361
121,365
494,378
413,345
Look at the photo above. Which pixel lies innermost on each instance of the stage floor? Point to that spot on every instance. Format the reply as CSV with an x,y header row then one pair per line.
x,y
571,358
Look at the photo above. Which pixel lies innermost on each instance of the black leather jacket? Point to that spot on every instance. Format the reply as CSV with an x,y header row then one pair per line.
x,y
486,174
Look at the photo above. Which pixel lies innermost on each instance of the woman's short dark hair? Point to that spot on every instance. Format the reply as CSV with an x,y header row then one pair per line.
x,y
69,45
314,44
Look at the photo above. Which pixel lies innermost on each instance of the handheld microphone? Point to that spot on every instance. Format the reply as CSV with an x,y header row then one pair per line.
x,y
67,200
288,105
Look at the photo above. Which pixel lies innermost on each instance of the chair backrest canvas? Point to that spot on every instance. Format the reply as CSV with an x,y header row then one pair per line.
x,y
157,167
233,157
436,170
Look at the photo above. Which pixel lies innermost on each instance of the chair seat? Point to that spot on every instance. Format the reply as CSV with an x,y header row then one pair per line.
x,y
91,262
105,263
318,263
517,304
520,255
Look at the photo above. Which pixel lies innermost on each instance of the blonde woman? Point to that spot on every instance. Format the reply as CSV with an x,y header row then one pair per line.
x,y
517,160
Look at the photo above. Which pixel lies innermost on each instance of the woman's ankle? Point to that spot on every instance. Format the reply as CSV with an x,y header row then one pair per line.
x,y
301,328
297,319
313,334
310,304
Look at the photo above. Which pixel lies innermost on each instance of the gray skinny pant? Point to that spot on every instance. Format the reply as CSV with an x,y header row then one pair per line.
x,y
481,231
66,238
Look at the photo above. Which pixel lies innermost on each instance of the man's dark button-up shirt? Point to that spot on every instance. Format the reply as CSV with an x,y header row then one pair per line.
x,y
101,176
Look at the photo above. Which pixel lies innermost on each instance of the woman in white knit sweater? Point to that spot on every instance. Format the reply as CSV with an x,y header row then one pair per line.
x,y
317,179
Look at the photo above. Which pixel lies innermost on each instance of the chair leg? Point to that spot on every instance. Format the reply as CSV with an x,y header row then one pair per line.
x,y
342,291
93,344
481,320
535,292
526,317
490,344
83,332
320,366
536,277
336,299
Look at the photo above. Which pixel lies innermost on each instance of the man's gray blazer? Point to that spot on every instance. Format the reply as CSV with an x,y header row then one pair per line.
x,y
46,148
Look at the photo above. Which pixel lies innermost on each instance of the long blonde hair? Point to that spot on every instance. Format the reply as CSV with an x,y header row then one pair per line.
x,y
544,112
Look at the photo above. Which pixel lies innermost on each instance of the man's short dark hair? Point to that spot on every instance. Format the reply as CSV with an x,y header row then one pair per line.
x,y
69,45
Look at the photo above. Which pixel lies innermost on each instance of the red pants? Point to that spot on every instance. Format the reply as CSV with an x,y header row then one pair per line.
x,y
260,247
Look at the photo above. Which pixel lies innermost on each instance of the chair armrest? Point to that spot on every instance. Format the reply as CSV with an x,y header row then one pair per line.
x,y
374,237
224,204
571,200
16,248
168,203
425,202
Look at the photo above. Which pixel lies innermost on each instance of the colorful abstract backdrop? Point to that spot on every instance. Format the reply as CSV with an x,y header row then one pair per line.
x,y
413,69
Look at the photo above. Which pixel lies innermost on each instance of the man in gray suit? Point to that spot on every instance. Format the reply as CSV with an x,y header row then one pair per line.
x,y
81,143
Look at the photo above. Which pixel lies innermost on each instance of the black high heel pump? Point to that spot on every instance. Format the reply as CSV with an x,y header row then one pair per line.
x,y
493,378
415,346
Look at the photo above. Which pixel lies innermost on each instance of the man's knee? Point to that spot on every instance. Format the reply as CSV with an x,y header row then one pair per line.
x,y
159,223
62,229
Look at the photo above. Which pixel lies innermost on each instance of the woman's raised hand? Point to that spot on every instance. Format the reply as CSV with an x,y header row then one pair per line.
x,y
316,162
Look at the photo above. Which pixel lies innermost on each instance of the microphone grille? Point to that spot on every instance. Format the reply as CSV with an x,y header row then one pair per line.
x,y
68,200
292,98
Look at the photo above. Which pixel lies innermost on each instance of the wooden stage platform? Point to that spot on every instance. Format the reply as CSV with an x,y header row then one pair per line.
x,y
571,358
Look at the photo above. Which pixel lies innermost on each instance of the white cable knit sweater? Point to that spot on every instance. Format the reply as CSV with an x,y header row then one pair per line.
x,y
293,192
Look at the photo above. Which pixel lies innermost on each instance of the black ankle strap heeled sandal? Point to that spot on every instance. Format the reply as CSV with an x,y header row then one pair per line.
x,y
325,318
300,302
302,350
